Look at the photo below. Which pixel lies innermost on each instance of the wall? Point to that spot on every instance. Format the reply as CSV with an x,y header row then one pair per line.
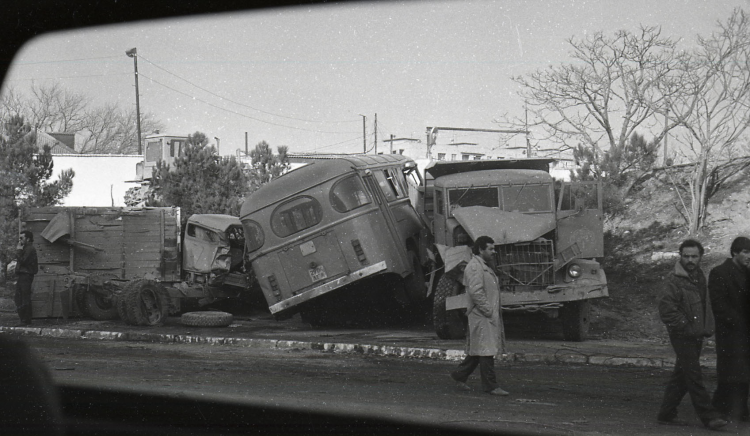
x,y
99,180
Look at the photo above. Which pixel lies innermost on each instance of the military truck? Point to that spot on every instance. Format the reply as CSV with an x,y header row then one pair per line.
x,y
134,263
547,234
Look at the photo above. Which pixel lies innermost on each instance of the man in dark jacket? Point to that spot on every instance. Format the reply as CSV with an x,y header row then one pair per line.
x,y
685,308
26,267
730,300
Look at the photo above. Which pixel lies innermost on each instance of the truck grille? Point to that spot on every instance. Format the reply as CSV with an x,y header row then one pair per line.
x,y
526,264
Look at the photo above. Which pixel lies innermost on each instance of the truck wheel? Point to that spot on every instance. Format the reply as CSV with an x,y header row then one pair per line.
x,y
79,295
575,320
146,303
99,307
121,305
206,319
449,324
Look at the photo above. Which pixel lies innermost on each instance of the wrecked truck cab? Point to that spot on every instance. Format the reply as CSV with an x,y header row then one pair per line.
x,y
213,246
547,236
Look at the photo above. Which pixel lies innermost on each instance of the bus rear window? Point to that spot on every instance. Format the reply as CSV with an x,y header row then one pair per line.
x,y
348,194
295,215
254,237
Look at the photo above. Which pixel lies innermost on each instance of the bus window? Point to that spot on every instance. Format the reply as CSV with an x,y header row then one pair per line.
x,y
386,185
295,216
397,181
348,194
254,237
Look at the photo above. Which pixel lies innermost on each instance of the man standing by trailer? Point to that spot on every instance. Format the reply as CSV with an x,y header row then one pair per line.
x,y
730,299
484,339
26,267
685,308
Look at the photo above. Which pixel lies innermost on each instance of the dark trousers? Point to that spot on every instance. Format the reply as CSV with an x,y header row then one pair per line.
x,y
23,297
731,400
687,378
486,370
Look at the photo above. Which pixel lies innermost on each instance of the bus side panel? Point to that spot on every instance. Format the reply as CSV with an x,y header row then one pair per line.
x,y
270,275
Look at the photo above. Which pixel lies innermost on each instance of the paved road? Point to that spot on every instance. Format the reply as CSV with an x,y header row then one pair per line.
x,y
545,399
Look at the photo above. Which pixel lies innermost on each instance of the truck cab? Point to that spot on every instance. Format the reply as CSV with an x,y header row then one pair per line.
x,y
547,236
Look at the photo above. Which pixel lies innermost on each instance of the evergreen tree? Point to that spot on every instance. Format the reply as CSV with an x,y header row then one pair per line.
x,y
24,180
267,165
200,182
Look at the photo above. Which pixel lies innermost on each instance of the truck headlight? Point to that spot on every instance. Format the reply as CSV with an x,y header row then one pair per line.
x,y
574,270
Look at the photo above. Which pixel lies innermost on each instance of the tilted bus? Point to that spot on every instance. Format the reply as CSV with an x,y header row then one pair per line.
x,y
337,220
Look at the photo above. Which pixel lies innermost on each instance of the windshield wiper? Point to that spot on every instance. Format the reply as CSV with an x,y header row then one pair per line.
x,y
519,194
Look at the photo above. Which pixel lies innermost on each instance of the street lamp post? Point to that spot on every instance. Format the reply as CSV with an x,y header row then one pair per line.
x,y
133,53
364,133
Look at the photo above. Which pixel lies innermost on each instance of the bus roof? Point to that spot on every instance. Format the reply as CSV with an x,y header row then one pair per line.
x,y
318,169
442,168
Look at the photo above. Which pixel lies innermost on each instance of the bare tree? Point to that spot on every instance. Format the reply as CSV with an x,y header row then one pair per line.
x,y
110,130
712,108
53,108
608,92
105,129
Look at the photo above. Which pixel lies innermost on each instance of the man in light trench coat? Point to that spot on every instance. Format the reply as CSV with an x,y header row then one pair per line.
x,y
485,330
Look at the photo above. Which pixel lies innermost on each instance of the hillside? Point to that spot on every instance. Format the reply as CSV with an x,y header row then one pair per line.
x,y
641,248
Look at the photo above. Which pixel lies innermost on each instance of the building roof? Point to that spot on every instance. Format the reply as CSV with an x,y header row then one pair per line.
x,y
55,145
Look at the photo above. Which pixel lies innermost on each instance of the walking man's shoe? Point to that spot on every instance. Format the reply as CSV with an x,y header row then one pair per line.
x,y
716,423
499,391
463,386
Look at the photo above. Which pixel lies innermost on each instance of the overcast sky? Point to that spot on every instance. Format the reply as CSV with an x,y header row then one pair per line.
x,y
303,77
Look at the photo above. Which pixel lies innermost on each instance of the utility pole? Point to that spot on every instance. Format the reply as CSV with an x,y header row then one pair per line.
x,y
391,141
133,53
376,133
364,133
526,126
666,135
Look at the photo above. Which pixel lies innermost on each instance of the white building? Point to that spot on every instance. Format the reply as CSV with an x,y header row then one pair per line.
x,y
100,179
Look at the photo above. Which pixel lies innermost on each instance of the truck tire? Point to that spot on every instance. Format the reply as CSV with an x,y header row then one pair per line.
x,y
206,319
120,303
99,307
79,295
146,303
415,286
449,324
575,317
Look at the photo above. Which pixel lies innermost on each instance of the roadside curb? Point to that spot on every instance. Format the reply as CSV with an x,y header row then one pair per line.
x,y
345,348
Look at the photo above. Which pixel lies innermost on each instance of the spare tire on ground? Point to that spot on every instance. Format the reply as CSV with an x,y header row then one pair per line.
x,y
207,319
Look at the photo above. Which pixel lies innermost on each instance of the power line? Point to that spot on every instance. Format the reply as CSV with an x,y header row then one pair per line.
x,y
242,104
359,138
65,60
68,77
237,113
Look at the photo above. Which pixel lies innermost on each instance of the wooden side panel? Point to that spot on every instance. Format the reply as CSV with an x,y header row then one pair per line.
x,y
117,242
